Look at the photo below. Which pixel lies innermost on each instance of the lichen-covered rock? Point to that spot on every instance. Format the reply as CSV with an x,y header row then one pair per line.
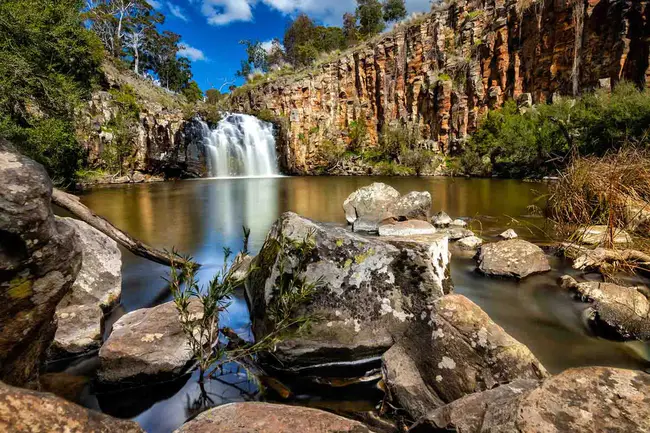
x,y
266,417
392,227
461,351
454,233
469,243
372,289
95,291
591,399
145,344
441,219
39,260
618,310
24,411
369,205
413,206
512,258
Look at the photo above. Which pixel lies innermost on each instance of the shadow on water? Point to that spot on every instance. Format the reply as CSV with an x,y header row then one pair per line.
x,y
201,217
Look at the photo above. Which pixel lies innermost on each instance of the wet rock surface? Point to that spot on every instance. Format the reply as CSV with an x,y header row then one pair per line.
x,y
590,399
461,351
514,258
39,261
266,417
22,410
96,291
373,288
146,344
367,207
623,312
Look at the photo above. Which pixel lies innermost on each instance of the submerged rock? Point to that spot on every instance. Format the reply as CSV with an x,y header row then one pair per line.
x,y
267,417
22,410
512,258
95,292
458,352
599,235
624,311
368,206
372,289
145,344
39,260
441,219
591,399
509,234
405,228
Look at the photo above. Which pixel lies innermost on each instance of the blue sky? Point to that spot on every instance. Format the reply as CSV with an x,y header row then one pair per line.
x,y
212,29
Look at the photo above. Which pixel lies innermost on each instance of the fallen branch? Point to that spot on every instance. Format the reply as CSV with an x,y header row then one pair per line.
x,y
73,205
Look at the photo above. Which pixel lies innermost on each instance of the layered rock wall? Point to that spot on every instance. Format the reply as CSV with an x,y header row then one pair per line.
x,y
443,71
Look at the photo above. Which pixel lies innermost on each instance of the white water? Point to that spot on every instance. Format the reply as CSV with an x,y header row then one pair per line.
x,y
241,146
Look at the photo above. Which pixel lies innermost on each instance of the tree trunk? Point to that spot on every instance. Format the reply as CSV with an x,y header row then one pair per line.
x,y
72,204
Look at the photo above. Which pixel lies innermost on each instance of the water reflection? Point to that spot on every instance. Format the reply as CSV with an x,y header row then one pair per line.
x,y
201,217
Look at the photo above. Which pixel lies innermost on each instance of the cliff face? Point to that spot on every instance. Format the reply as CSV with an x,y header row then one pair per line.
x,y
443,71
163,141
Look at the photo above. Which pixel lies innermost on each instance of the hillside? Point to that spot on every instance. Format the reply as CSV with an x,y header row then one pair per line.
x,y
442,72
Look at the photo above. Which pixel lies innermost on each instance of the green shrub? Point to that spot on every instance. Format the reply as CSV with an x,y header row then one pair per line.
x,y
357,133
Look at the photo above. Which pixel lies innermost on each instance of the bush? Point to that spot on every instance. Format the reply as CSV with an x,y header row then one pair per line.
x,y
357,133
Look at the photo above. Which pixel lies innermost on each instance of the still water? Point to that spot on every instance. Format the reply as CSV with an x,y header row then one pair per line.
x,y
202,217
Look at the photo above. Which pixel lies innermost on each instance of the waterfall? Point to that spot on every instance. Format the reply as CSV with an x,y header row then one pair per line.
x,y
240,146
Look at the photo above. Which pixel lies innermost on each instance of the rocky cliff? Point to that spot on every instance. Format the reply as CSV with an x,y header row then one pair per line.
x,y
442,71
164,140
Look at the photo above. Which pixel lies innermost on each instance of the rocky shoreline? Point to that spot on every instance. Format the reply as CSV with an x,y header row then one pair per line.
x,y
384,301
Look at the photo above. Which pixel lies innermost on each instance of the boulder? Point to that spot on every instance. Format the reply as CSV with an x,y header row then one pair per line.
x,y
455,233
469,243
146,344
95,292
458,352
441,219
371,289
370,204
599,234
512,258
621,311
459,223
23,410
256,417
509,234
392,227
39,261
590,399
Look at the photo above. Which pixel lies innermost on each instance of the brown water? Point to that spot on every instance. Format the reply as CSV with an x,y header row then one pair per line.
x,y
201,217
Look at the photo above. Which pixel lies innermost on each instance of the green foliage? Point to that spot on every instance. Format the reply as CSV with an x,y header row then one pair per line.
x,y
127,101
49,64
371,17
394,10
192,92
213,96
357,133
538,141
256,60
266,115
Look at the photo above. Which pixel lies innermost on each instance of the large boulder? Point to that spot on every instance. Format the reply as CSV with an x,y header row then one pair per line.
x,y
146,344
96,291
512,258
266,417
368,206
621,311
27,411
458,352
39,261
591,399
371,289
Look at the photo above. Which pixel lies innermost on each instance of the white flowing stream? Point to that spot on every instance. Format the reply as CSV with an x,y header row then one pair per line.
x,y
241,146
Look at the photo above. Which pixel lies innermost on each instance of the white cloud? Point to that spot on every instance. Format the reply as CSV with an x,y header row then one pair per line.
x,y
154,4
194,54
177,11
221,12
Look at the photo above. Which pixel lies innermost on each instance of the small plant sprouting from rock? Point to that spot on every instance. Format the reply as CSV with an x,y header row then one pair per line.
x,y
199,308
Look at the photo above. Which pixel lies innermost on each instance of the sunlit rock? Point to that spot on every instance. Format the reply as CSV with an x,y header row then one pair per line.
x,y
391,227
600,235
441,219
509,234
372,289
469,243
514,258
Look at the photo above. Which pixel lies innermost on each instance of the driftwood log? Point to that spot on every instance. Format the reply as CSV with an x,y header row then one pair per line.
x,y
73,205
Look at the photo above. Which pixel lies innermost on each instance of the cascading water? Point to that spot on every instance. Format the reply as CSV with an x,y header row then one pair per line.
x,y
241,146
